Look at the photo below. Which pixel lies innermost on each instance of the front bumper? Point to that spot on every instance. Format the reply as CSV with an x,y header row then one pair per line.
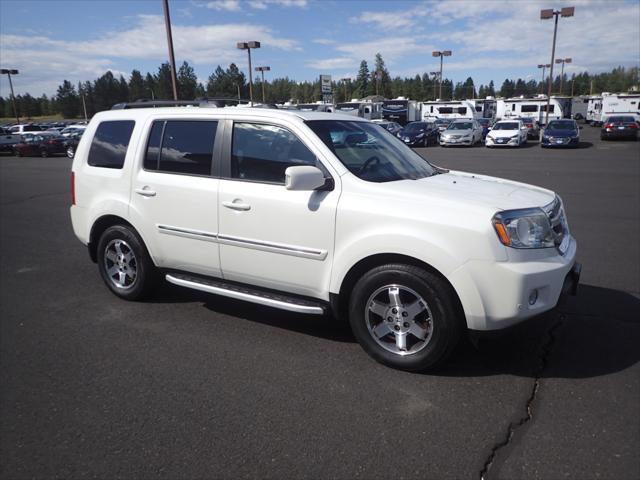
x,y
497,295
455,141
560,142
413,142
508,142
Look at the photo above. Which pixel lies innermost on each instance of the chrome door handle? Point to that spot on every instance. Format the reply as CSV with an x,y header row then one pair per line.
x,y
237,205
145,192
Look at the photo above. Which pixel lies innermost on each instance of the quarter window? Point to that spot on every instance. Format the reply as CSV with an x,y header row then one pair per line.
x,y
262,153
110,143
181,146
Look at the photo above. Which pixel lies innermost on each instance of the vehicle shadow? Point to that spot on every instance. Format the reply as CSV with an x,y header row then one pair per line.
x,y
593,334
585,145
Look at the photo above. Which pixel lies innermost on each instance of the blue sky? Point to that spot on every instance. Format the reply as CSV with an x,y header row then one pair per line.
x,y
49,41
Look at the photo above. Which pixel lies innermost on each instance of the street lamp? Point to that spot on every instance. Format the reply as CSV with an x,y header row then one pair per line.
x,y
172,58
543,67
548,14
248,46
9,72
562,61
441,54
262,70
344,81
434,75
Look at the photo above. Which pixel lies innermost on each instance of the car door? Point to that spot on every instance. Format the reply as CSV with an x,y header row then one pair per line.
x,y
270,236
175,194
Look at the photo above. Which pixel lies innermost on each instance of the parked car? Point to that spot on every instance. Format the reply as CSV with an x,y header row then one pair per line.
x,y
72,129
441,124
24,128
40,144
619,126
507,133
392,127
485,123
418,134
561,133
533,127
8,140
461,132
71,143
312,213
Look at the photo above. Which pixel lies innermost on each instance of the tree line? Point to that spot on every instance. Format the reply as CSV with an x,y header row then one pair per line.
x,y
71,100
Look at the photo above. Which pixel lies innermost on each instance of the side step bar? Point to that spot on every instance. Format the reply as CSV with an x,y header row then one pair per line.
x,y
218,287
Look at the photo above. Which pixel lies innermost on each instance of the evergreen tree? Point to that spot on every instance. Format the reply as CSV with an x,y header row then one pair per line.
x,y
362,81
67,99
163,85
136,86
187,82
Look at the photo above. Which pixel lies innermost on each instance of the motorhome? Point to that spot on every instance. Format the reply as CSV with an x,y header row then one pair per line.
x,y
485,108
450,110
357,108
315,107
534,108
579,107
620,104
401,110
567,105
594,109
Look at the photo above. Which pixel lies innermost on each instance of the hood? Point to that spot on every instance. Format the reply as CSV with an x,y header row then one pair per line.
x,y
475,190
560,133
458,132
412,133
503,133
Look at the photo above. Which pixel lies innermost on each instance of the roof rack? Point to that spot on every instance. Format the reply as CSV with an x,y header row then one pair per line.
x,y
215,102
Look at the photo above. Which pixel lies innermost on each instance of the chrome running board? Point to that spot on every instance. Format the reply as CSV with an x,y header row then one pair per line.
x,y
218,287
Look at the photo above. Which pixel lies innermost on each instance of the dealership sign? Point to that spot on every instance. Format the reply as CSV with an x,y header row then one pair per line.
x,y
325,84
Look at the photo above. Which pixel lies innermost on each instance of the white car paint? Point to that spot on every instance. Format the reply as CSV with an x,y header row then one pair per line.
x,y
306,242
507,138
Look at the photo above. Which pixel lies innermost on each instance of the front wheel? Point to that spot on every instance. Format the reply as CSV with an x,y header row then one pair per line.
x,y
44,153
124,263
71,152
405,317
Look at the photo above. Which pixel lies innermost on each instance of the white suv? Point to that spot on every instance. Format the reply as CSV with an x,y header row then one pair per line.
x,y
317,213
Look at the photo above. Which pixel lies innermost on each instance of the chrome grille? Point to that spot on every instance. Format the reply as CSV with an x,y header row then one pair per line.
x,y
559,225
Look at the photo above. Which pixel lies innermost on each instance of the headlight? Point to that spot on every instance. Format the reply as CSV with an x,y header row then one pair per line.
x,y
525,228
515,137
420,135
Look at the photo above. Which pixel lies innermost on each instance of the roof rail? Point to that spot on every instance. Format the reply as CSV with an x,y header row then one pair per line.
x,y
198,102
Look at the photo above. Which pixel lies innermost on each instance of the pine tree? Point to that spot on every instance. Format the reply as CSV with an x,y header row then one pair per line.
x,y
187,82
362,80
136,86
67,99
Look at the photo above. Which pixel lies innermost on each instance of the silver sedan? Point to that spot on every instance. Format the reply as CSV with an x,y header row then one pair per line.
x,y
462,132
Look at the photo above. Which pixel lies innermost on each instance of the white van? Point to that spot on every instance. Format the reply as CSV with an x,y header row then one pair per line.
x,y
534,108
449,109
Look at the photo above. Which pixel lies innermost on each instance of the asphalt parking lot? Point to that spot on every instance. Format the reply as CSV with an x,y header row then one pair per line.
x,y
191,385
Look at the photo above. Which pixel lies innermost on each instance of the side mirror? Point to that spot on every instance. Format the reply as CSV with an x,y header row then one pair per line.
x,y
303,177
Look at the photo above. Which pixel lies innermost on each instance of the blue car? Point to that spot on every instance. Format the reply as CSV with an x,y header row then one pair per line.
x,y
561,133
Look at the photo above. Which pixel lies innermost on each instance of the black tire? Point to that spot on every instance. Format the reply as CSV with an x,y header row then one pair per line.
x,y
602,137
71,151
17,153
44,153
146,275
446,322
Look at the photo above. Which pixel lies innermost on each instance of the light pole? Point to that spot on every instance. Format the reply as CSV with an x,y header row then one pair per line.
x,y
262,70
344,81
9,72
543,67
441,54
548,14
248,46
435,75
378,78
562,61
172,59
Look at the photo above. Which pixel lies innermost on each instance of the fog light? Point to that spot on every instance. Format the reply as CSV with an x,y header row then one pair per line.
x,y
533,297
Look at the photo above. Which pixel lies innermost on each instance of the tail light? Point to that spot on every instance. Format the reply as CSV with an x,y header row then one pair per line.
x,y
73,188
633,125
608,125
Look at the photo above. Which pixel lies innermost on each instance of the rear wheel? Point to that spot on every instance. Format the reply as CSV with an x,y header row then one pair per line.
x,y
404,317
71,151
44,153
125,264
17,153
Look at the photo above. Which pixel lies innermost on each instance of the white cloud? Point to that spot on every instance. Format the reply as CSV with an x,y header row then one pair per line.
x,y
392,20
228,5
264,4
332,63
44,62
324,41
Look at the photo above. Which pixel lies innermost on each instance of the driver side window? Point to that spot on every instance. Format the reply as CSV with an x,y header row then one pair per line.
x,y
262,153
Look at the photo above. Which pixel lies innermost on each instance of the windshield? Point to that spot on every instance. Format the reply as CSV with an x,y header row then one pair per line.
x,y
506,126
415,127
460,126
561,126
369,152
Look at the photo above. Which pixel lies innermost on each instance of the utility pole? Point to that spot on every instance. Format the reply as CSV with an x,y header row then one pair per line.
x,y
262,70
562,61
543,67
84,107
172,60
9,72
441,54
248,46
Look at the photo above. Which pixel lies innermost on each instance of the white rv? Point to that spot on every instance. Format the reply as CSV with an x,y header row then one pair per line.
x,y
368,110
620,104
315,107
484,108
580,107
534,108
448,109
594,109
401,110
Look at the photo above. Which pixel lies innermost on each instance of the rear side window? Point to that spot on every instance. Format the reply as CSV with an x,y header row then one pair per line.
x,y
181,146
262,153
110,143
31,128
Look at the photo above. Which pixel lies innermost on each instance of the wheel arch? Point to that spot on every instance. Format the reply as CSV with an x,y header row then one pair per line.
x,y
98,228
340,301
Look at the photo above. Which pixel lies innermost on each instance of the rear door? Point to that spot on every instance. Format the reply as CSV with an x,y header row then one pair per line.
x,y
175,192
